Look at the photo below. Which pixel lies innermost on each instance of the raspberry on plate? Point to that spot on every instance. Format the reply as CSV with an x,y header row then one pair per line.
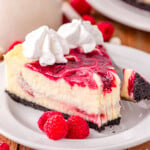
x,y
42,120
77,128
4,146
56,127
89,18
107,30
81,6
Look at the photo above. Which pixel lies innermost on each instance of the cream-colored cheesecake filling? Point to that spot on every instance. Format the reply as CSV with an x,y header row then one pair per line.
x,y
92,101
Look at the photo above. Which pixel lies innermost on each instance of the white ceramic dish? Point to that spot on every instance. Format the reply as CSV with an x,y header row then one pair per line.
x,y
19,123
123,13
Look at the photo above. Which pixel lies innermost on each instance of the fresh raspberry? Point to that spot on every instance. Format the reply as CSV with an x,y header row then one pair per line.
x,y
4,146
81,6
107,30
56,127
89,18
77,128
13,45
42,120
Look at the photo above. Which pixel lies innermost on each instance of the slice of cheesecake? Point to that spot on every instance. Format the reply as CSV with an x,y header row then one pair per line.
x,y
134,86
87,85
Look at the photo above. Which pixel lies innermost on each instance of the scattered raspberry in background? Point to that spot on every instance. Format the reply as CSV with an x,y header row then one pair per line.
x,y
89,18
42,120
13,45
107,30
77,128
56,127
4,146
81,6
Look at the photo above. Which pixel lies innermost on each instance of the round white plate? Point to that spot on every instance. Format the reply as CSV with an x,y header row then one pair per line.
x,y
19,123
123,13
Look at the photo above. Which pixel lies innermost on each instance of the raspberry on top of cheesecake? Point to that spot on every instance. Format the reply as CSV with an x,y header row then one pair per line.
x,y
67,71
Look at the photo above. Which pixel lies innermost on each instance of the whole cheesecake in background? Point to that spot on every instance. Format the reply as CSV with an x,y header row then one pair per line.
x,y
142,4
21,17
67,71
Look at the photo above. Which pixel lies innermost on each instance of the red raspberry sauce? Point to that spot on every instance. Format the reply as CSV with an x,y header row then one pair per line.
x,y
131,83
80,69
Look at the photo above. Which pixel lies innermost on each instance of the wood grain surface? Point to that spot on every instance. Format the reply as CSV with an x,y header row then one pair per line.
x,y
130,37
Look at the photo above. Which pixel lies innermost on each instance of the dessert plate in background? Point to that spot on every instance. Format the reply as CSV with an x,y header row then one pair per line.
x,y
123,13
19,123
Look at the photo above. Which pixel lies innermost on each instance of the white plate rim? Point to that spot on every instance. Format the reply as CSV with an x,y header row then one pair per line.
x,y
127,13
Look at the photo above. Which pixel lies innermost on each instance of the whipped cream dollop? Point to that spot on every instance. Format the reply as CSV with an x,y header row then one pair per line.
x,y
82,34
45,45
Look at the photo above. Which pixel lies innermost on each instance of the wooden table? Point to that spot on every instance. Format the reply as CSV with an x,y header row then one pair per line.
x,y
130,37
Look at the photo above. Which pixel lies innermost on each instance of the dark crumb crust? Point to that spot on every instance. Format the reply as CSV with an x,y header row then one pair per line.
x,y
141,88
137,4
36,106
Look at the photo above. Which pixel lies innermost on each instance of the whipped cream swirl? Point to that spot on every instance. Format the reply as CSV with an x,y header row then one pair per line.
x,y
45,45
82,34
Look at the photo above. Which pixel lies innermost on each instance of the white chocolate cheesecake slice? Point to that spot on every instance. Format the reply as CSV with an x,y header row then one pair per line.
x,y
89,88
67,71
